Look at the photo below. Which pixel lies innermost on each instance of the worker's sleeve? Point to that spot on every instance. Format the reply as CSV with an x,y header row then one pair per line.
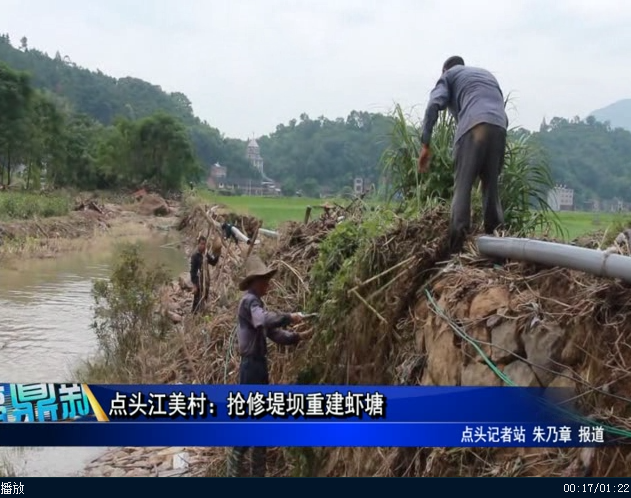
x,y
212,259
267,319
284,337
195,267
438,100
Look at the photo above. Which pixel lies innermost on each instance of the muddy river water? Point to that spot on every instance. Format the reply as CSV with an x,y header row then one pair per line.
x,y
45,333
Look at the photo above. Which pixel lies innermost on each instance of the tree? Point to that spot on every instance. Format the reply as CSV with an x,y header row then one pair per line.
x,y
15,95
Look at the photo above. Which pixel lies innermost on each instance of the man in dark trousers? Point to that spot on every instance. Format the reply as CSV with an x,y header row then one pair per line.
x,y
475,99
255,326
197,271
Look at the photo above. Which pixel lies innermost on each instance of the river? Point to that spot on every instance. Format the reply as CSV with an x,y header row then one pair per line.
x,y
45,333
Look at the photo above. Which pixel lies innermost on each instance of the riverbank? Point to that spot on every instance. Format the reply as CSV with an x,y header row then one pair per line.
x,y
535,326
90,224
47,268
395,310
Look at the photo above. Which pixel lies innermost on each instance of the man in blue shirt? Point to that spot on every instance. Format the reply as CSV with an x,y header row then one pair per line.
x,y
475,100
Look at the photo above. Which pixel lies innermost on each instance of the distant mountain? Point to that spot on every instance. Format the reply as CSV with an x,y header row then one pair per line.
x,y
618,114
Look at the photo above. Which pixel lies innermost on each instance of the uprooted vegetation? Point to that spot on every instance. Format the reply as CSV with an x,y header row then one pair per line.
x,y
393,309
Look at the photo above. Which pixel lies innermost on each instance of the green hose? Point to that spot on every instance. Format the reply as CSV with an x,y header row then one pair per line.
x,y
461,333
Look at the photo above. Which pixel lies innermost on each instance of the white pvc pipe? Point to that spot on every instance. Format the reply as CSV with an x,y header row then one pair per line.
x,y
268,233
599,263
236,232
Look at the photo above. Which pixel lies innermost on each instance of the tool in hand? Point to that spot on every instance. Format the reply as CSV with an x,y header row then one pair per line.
x,y
308,315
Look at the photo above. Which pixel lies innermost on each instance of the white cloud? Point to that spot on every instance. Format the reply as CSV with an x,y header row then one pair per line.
x,y
249,64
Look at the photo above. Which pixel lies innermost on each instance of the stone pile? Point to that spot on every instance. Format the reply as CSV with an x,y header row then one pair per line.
x,y
147,462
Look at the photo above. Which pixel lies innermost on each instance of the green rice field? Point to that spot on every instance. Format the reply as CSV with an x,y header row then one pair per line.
x,y
276,210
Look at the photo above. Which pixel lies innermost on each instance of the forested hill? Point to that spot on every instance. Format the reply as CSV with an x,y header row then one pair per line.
x,y
589,156
105,98
311,153
617,114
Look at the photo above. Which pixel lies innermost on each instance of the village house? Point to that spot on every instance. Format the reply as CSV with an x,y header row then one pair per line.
x,y
561,198
361,185
217,176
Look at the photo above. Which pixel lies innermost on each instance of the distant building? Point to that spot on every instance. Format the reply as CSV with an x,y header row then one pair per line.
x,y
361,185
247,186
265,185
218,171
561,198
216,178
253,153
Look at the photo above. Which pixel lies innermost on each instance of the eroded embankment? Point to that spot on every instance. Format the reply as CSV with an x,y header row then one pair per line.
x,y
392,312
90,221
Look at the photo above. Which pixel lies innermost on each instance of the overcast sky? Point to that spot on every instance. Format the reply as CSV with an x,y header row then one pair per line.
x,y
248,65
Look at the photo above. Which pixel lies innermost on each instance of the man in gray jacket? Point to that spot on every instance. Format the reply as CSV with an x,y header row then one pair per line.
x,y
475,100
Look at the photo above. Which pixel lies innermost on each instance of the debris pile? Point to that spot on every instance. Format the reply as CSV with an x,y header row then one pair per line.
x,y
153,205
394,310
88,205
76,224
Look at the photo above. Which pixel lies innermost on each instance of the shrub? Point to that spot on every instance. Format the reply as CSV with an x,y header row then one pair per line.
x,y
125,306
524,182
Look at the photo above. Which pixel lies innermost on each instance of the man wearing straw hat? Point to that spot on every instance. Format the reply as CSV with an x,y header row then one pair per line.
x,y
256,324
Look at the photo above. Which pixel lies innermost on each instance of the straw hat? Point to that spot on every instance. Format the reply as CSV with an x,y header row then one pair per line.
x,y
255,268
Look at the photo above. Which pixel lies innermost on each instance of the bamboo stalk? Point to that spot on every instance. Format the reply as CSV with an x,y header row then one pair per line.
x,y
385,272
253,240
369,306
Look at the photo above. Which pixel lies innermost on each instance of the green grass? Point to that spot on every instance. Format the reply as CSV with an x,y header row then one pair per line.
x,y
274,211
24,205
579,223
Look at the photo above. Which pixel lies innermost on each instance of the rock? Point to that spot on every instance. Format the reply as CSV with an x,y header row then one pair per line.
x,y
521,374
564,381
181,460
138,473
489,301
572,354
544,344
171,451
478,333
422,320
445,358
493,321
506,339
478,374
117,472
172,473
567,397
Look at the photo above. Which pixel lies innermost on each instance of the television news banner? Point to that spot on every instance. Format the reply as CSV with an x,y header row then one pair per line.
x,y
70,402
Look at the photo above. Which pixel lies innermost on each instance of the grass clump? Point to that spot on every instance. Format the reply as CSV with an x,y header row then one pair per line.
x,y
125,312
24,206
524,182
